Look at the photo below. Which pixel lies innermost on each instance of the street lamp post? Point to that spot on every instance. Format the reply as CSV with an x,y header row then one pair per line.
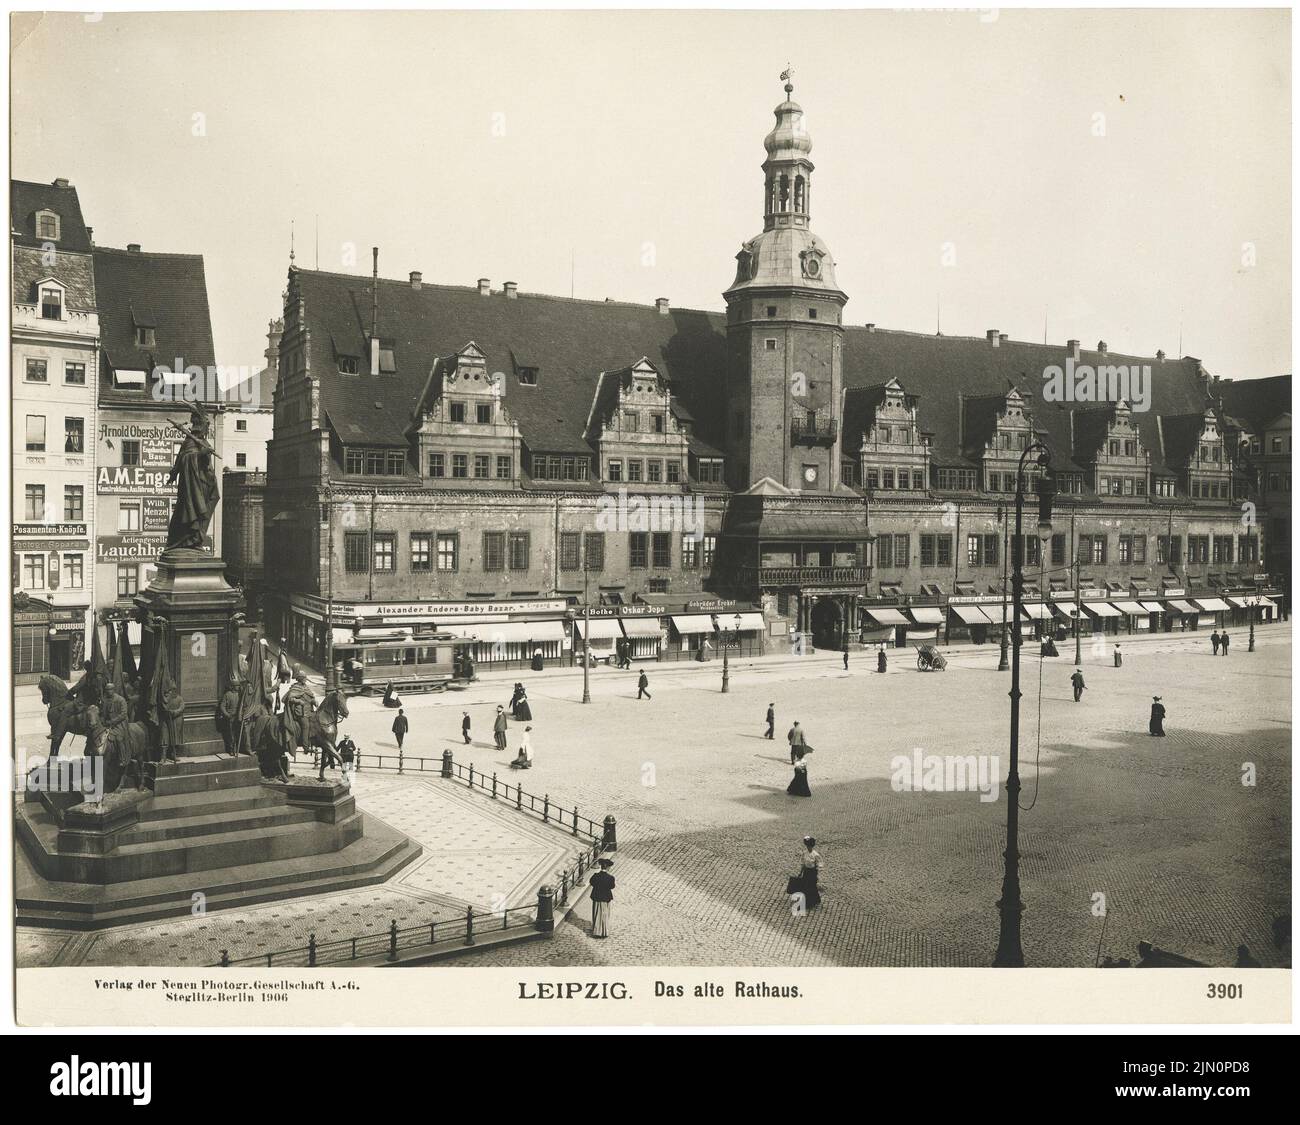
x,y
1002,656
586,634
1078,609
726,667
1253,603
1009,954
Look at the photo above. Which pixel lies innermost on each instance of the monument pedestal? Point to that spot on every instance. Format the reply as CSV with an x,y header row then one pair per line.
x,y
207,824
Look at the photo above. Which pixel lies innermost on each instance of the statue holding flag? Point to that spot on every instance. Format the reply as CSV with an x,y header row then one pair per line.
x,y
196,483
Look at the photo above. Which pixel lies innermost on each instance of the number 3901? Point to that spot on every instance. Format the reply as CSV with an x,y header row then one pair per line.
x,y
1224,991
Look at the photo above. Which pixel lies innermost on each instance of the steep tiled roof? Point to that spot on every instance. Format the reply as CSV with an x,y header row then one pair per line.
x,y
1257,401
573,341
26,198
170,291
570,342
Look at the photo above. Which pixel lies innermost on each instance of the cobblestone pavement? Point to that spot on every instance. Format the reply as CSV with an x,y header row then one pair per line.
x,y
1186,855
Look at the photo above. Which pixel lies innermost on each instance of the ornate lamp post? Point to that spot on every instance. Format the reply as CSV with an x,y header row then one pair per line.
x,y
1253,603
586,634
726,669
1009,953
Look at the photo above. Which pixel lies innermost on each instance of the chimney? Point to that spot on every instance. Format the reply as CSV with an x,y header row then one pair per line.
x,y
1160,356
1073,347
61,183
512,290
484,287
1101,346
374,311
661,303
871,327
1002,337
992,337
133,248
90,235
416,279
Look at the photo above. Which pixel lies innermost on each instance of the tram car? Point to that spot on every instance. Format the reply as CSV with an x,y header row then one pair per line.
x,y
412,661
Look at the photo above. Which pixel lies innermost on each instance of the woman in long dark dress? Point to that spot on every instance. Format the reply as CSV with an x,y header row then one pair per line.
x,y
805,883
1157,724
602,898
523,712
515,696
798,786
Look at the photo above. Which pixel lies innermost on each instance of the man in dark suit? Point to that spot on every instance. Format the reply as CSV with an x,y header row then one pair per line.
x,y
771,722
464,727
400,726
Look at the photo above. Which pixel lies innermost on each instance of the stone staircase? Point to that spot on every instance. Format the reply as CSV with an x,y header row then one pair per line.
x,y
206,833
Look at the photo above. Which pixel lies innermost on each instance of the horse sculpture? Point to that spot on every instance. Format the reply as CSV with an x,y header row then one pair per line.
x,y
266,735
124,750
62,711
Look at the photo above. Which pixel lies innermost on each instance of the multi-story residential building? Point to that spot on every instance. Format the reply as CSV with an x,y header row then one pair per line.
x,y
490,462
54,353
156,337
248,418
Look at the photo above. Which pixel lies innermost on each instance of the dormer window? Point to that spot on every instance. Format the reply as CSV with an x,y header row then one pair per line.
x,y
348,365
47,225
528,376
51,302
144,336
387,361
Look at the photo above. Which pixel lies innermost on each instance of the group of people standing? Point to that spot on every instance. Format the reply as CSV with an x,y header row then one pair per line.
x,y
1220,641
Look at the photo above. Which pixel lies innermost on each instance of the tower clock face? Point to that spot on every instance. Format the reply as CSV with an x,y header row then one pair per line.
x,y
810,474
813,267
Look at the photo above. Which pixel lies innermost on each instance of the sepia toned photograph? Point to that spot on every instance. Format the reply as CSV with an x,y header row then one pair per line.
x,y
567,492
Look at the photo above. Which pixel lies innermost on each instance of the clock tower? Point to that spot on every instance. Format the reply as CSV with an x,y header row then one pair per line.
x,y
784,331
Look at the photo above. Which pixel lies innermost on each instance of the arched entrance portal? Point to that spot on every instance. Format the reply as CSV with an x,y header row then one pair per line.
x,y
828,623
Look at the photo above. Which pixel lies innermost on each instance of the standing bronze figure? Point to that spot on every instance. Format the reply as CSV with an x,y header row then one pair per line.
x,y
196,484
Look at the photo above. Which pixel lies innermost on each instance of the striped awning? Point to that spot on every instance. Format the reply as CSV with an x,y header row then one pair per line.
x,y
971,614
1181,607
884,616
1133,609
1152,607
640,626
1068,609
689,624
1212,605
602,628
750,623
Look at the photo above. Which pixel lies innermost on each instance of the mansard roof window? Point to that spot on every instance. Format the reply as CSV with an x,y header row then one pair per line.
x,y
348,364
144,336
47,225
387,360
528,376
51,302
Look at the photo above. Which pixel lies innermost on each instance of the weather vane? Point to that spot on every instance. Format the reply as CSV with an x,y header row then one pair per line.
x,y
786,76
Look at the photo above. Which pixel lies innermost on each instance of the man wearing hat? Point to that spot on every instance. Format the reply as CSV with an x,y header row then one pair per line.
x,y
1157,724
602,898
464,726
499,726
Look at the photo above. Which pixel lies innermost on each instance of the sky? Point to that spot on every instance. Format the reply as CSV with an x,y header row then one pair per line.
x,y
1105,174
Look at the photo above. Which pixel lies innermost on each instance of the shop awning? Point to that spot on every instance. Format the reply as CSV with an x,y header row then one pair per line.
x,y
971,614
1212,605
1270,601
1240,603
640,626
691,623
927,615
884,616
1180,607
1102,609
1066,609
1152,607
602,628
513,632
1037,611
750,623
1133,609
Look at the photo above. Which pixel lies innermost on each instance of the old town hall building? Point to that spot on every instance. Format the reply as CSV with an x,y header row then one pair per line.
x,y
485,461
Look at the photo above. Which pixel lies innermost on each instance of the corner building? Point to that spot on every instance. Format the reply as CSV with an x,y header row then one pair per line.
x,y
488,462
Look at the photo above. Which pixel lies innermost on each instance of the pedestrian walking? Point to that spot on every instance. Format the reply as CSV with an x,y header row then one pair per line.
x,y
1156,726
794,736
602,898
1214,640
882,661
846,660
1223,640
524,761
798,786
805,883
1077,681
537,665
771,722
1119,658
400,726
347,753
643,686
464,726
523,712
499,726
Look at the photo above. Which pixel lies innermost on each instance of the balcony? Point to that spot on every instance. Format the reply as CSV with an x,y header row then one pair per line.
x,y
71,323
809,431
749,577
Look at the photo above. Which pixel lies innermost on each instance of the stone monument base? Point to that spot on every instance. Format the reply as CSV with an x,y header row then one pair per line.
x,y
208,827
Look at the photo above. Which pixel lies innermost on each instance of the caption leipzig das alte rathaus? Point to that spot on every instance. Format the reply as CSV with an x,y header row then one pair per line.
x,y
461,444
